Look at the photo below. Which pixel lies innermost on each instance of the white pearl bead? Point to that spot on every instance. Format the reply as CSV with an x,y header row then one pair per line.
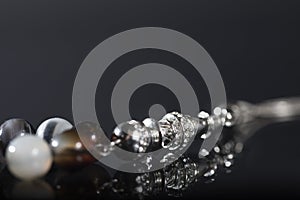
x,y
28,157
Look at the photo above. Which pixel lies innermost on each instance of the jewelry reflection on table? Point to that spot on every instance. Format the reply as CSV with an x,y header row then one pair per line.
x,y
181,174
175,177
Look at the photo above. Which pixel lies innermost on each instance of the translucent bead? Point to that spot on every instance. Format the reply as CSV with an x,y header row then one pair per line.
x,y
69,151
132,136
190,127
94,138
171,130
13,128
28,157
52,127
153,127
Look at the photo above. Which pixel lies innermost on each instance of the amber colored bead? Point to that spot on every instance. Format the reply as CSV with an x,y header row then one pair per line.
x,y
69,151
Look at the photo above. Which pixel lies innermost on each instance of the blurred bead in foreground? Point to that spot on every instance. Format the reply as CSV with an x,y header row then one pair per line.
x,y
28,157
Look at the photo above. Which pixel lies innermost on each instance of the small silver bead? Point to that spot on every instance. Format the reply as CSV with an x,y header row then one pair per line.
x,y
230,119
217,119
203,115
204,118
224,117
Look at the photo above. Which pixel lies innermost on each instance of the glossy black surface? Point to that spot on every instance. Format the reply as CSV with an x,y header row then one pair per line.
x,y
242,179
255,45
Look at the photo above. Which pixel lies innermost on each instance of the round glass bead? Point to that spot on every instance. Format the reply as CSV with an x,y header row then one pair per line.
x,y
52,127
132,136
13,128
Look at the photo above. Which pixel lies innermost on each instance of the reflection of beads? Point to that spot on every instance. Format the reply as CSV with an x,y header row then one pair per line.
x,y
182,173
172,179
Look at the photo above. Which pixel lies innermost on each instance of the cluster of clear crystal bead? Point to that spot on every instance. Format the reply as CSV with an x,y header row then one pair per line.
x,y
180,174
173,131
177,130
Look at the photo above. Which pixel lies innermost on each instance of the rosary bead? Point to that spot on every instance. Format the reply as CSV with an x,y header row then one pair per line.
x,y
13,128
52,127
69,151
28,157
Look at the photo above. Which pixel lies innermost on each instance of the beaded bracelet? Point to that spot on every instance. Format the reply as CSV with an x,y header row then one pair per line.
x,y
29,156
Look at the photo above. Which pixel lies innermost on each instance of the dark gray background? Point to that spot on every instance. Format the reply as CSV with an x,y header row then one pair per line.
x,y
255,44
